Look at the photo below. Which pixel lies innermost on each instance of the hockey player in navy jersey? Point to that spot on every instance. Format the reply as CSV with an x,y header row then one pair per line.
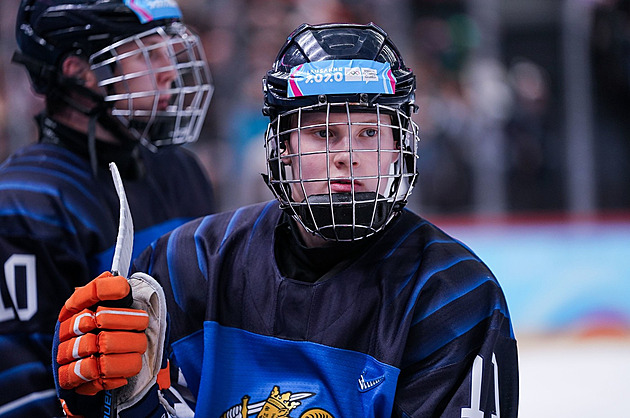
x,y
123,80
338,302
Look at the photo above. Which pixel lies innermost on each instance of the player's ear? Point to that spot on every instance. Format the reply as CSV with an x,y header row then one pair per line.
x,y
285,139
285,149
396,154
77,67
285,160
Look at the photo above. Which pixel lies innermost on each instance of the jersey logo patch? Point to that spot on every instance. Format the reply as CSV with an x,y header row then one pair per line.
x,y
366,384
275,406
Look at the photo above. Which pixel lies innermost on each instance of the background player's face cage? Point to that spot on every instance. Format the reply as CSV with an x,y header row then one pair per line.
x,y
158,83
342,171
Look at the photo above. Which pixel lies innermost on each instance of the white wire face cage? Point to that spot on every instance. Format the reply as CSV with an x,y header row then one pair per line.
x,y
342,171
158,83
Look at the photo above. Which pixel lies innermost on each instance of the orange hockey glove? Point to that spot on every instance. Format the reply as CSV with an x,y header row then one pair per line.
x,y
99,348
105,287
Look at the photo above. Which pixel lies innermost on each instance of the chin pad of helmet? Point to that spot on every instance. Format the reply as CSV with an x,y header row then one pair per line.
x,y
345,218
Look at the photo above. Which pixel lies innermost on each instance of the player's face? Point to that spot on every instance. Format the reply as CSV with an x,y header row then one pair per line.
x,y
340,152
146,74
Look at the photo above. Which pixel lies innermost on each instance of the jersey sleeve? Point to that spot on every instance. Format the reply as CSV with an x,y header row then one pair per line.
x,y
461,356
33,287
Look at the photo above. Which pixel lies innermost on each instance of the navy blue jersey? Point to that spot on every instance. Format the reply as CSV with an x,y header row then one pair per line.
x,y
58,226
415,326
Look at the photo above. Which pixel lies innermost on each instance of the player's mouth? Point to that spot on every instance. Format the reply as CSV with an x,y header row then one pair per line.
x,y
344,186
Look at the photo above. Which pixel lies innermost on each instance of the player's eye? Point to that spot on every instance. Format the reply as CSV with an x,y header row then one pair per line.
x,y
321,133
158,54
370,132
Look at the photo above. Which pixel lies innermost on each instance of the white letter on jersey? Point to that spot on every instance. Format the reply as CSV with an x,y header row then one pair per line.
x,y
26,261
475,392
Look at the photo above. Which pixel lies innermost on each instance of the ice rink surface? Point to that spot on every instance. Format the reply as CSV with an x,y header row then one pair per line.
x,y
570,377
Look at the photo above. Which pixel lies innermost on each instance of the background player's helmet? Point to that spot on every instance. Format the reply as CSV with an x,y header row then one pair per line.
x,y
340,68
48,31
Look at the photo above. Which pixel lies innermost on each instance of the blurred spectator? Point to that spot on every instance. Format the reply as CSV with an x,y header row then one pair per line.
x,y
522,83
610,47
527,135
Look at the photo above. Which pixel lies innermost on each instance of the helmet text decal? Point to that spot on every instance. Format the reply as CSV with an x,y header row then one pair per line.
x,y
341,77
148,10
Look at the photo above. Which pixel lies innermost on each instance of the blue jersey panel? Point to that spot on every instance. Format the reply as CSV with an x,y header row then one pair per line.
x,y
303,374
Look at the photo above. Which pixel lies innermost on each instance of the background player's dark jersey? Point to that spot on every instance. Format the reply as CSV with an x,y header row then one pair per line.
x,y
58,226
415,326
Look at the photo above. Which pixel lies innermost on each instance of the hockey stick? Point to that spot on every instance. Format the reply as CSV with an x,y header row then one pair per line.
x,y
120,263
124,241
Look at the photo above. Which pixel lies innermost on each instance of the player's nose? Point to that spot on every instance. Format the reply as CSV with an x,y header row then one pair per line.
x,y
342,155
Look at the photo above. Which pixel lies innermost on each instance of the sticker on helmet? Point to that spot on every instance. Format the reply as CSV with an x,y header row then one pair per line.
x,y
341,77
148,10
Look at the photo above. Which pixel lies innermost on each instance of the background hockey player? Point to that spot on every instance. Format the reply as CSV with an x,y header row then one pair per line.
x,y
120,79
338,302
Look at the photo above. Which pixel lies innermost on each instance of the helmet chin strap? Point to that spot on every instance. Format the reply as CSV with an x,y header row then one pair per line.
x,y
99,113
92,142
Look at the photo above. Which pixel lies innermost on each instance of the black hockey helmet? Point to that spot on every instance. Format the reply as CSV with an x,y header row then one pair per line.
x,y
309,43
342,68
48,30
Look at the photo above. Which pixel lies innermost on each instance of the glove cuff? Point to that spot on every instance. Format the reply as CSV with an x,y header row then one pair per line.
x,y
148,295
